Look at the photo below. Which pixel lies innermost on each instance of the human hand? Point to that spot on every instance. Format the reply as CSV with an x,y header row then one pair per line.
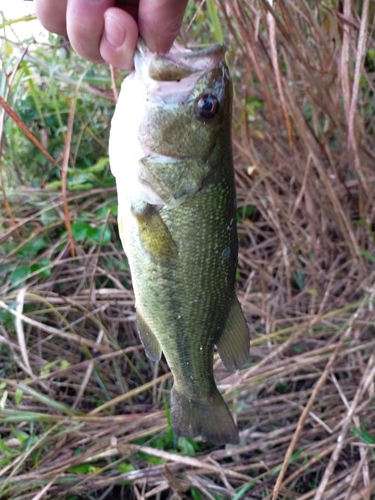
x,y
107,30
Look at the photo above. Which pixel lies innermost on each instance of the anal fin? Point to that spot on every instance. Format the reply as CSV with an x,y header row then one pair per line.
x,y
149,340
234,342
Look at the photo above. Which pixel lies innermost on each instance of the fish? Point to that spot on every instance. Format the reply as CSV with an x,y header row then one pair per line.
x,y
171,154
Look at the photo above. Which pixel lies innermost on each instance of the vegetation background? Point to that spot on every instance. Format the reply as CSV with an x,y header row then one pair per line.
x,y
83,413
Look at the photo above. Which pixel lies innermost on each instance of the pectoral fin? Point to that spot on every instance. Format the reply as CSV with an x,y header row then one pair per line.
x,y
149,341
154,235
233,345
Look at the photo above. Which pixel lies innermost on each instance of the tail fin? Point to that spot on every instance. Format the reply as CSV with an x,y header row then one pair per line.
x,y
209,418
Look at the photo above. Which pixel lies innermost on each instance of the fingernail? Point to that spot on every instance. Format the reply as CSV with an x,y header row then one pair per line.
x,y
114,32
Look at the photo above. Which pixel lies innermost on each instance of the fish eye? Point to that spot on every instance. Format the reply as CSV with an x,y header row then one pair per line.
x,y
206,106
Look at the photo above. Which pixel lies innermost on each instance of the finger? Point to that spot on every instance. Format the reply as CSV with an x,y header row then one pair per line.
x,y
85,26
119,38
159,22
52,15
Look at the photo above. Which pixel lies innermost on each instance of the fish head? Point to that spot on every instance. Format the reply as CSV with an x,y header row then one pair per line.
x,y
173,107
188,98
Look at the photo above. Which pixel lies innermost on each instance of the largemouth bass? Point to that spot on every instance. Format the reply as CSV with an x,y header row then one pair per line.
x,y
170,151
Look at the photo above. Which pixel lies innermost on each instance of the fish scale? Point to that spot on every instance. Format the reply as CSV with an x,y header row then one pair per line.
x,y
175,180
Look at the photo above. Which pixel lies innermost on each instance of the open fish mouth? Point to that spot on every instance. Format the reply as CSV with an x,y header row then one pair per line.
x,y
165,76
179,64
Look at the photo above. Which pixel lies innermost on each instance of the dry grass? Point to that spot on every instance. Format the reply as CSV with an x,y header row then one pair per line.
x,y
82,412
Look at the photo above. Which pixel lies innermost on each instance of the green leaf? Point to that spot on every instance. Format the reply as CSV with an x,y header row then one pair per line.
x,y
99,165
3,399
368,256
299,280
46,370
106,238
5,447
85,186
167,410
124,468
6,318
32,247
364,436
297,349
64,364
160,442
18,395
195,494
5,461
103,211
186,447
245,212
49,216
80,229
100,234
54,185
20,435
114,263
84,469
240,493
19,274
41,266
157,460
